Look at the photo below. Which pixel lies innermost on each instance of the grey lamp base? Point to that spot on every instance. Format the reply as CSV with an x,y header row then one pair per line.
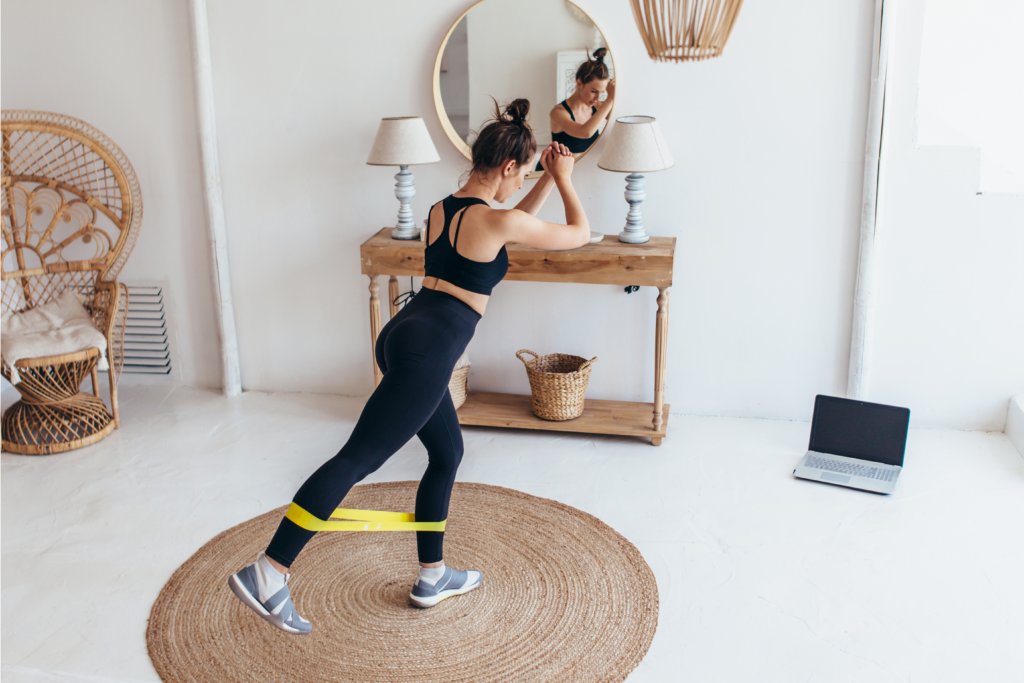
x,y
634,232
405,190
628,238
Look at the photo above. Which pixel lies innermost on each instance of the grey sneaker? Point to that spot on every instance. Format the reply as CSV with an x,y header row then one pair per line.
x,y
452,583
277,608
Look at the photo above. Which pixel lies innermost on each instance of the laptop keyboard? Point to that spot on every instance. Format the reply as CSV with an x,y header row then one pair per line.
x,y
853,469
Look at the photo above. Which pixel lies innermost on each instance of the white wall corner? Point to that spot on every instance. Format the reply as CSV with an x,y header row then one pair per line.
x,y
1015,422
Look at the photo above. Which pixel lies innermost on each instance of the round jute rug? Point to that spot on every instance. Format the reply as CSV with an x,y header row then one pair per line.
x,y
565,598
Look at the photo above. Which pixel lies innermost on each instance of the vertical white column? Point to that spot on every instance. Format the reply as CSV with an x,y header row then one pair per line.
x,y
865,292
202,68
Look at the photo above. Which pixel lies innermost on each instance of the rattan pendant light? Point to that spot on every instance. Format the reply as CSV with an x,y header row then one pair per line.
x,y
685,30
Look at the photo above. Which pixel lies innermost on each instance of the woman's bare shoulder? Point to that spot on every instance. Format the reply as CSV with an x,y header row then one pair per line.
x,y
558,110
505,220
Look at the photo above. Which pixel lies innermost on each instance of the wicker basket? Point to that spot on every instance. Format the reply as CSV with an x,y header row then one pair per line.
x,y
558,383
458,386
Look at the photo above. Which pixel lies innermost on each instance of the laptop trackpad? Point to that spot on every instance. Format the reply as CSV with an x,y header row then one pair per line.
x,y
838,478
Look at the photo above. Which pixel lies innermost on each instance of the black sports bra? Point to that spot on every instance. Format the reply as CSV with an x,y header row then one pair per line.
x,y
443,261
576,145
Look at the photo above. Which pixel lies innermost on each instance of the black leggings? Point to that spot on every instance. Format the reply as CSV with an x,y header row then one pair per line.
x,y
417,351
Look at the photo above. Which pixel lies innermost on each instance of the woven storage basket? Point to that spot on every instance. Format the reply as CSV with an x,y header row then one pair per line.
x,y
458,386
558,383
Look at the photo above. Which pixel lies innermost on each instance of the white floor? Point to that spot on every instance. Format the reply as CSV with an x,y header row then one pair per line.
x,y
762,577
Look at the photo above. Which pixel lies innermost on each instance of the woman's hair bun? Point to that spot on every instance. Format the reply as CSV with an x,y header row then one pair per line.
x,y
507,137
593,68
516,111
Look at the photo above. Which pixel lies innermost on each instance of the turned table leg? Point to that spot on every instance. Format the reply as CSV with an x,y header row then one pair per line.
x,y
392,295
660,357
374,327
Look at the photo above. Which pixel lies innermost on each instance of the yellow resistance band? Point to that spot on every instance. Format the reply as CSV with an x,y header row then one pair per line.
x,y
365,520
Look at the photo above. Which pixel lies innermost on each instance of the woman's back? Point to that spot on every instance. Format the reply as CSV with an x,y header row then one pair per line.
x,y
465,254
443,258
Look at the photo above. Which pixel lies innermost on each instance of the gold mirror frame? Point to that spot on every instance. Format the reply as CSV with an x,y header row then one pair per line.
x,y
446,123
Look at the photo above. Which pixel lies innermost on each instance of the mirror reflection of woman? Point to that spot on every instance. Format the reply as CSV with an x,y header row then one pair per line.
x,y
417,350
576,121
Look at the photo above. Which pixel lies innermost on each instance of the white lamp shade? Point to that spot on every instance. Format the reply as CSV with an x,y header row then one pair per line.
x,y
402,141
635,145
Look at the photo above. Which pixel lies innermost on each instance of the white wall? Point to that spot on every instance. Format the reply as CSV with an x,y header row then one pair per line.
x,y
969,80
124,67
763,200
949,336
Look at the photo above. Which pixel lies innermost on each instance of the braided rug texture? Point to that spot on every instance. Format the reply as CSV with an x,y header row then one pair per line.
x,y
564,598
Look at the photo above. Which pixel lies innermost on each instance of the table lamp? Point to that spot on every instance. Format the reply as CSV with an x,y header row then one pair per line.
x,y
635,146
403,141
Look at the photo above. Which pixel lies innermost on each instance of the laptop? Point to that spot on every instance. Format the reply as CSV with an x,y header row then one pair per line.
x,y
855,444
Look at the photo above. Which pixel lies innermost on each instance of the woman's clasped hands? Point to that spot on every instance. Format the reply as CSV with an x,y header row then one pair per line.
x,y
557,160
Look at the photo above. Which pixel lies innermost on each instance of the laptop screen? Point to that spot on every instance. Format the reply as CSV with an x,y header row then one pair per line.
x,y
857,429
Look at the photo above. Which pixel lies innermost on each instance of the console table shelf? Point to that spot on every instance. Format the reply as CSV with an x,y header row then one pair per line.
x,y
608,262
625,418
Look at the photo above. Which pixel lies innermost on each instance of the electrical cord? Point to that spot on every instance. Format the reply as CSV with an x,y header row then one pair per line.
x,y
405,297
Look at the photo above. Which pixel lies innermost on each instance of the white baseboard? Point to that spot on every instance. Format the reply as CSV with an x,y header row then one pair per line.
x,y
25,674
1015,422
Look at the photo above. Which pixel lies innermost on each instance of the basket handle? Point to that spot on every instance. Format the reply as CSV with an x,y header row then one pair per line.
x,y
520,352
587,364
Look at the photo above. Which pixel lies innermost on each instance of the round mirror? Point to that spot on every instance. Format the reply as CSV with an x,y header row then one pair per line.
x,y
535,49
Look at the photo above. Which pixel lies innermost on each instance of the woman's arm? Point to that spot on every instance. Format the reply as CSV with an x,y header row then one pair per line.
x,y
536,197
522,227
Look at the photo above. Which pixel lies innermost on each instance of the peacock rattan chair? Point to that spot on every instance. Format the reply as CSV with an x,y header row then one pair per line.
x,y
72,208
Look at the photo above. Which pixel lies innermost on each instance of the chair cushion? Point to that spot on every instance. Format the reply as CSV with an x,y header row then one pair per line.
x,y
58,327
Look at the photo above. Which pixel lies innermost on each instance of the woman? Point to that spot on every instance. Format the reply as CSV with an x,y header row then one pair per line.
x,y
417,351
576,120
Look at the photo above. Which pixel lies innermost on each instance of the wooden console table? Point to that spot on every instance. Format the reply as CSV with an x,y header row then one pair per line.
x,y
608,262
